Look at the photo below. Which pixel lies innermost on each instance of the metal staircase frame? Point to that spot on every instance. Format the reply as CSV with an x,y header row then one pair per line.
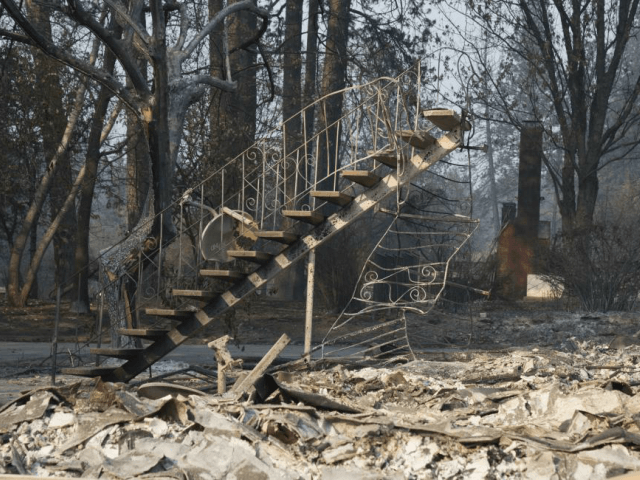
x,y
401,155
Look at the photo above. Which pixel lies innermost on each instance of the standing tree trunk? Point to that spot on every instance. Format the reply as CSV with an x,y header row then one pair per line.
x,y
242,105
53,119
333,79
92,159
311,67
294,161
292,75
138,160
138,170
233,114
158,126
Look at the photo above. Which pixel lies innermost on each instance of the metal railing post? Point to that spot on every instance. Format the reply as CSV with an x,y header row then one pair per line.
x,y
308,321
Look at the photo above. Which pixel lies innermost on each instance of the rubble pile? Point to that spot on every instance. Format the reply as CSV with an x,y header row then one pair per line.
x,y
512,414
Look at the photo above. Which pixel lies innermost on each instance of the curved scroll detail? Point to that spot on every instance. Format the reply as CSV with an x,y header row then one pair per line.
x,y
405,276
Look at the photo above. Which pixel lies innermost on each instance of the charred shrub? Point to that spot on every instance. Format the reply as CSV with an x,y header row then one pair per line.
x,y
599,266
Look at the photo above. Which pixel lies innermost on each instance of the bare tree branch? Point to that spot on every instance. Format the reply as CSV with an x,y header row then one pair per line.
x,y
62,55
184,26
220,16
121,12
214,82
118,47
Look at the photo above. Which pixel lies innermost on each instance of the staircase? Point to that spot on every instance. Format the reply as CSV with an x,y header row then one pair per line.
x,y
288,201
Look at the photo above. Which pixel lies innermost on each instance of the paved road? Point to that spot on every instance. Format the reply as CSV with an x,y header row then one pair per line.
x,y
16,354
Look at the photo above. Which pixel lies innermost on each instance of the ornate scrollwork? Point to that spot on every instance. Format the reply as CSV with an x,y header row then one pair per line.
x,y
366,292
370,277
251,204
428,274
150,291
274,205
418,294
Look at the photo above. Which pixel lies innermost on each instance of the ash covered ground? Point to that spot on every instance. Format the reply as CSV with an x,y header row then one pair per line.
x,y
522,391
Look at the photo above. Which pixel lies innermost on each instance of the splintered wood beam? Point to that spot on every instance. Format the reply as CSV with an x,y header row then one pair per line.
x,y
242,385
225,362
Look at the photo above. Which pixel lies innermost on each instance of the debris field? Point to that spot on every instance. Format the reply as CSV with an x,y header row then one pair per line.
x,y
537,412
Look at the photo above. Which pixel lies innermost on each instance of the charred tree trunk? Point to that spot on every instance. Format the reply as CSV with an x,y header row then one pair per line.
x,y
333,79
291,106
292,97
242,104
138,161
311,66
233,114
53,117
292,75
158,130
92,159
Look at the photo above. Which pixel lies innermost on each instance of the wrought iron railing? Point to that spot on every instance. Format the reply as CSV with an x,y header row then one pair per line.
x,y
250,192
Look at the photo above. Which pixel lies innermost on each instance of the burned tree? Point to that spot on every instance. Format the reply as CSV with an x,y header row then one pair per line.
x,y
576,82
169,45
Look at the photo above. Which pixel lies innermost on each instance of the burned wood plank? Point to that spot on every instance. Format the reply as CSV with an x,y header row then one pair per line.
x,y
225,361
244,384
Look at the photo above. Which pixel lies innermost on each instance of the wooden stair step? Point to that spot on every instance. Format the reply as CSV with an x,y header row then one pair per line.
x,y
146,333
416,138
445,119
222,274
171,313
195,294
245,287
88,371
388,157
278,236
250,255
338,198
308,216
361,177
125,353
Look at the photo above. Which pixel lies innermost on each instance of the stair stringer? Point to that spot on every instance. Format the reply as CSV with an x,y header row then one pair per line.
x,y
413,167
